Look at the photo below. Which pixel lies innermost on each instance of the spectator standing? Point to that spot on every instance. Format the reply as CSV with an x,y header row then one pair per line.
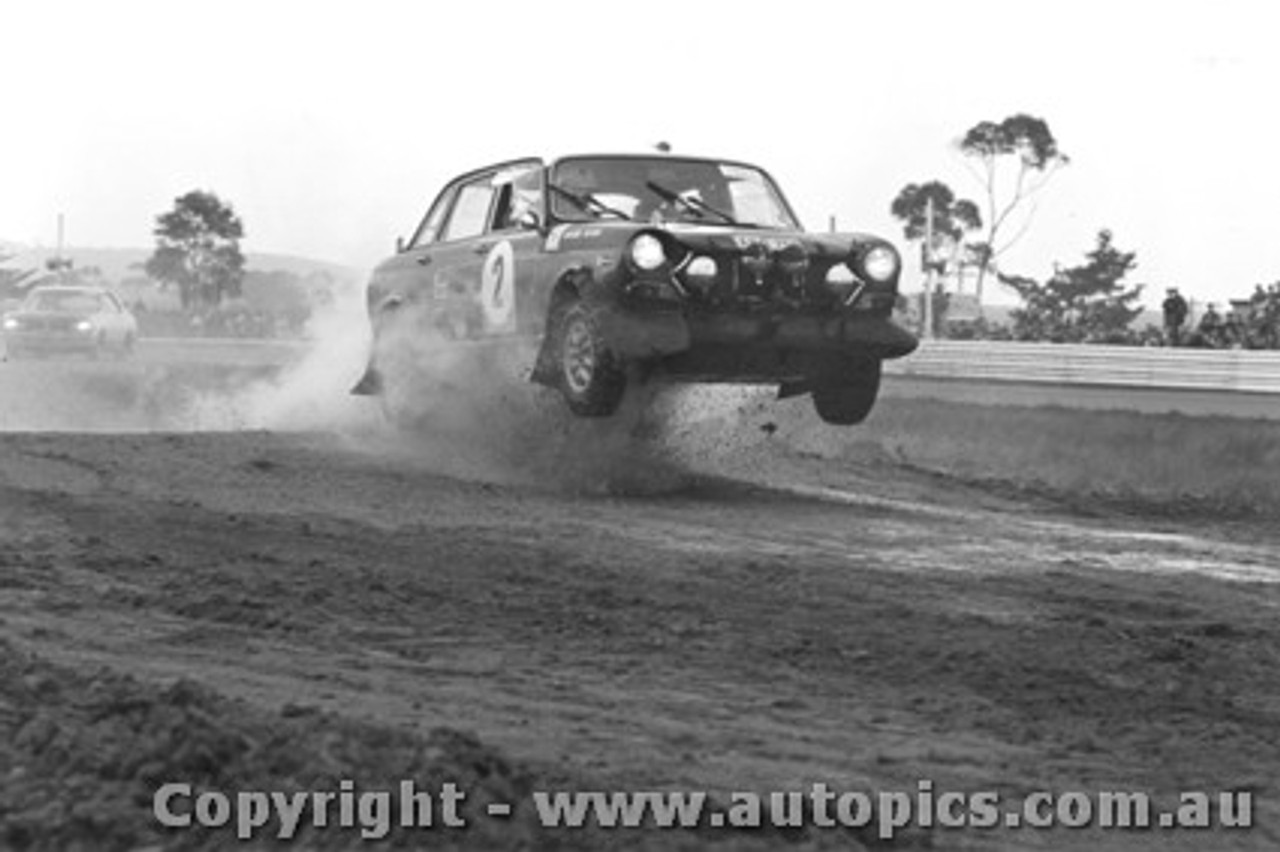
x,y
1175,314
1210,327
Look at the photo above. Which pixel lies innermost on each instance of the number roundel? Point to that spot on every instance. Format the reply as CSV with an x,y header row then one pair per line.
x,y
497,293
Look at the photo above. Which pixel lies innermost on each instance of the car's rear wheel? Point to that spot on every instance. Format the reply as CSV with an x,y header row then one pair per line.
x,y
591,376
845,390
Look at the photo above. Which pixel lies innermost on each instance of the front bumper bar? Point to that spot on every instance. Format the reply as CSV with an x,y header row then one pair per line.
x,y
637,335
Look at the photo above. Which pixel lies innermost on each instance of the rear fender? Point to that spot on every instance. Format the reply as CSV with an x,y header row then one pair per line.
x,y
371,383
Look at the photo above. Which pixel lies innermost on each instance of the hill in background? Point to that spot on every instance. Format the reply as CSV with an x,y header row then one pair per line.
x,y
118,264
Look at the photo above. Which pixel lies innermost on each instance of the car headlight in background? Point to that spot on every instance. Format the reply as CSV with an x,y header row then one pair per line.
x,y
880,263
84,326
647,253
11,324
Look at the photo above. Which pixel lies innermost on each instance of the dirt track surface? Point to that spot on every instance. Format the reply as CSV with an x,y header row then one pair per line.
x,y
255,610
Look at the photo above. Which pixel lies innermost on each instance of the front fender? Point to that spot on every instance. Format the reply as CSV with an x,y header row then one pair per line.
x,y
631,335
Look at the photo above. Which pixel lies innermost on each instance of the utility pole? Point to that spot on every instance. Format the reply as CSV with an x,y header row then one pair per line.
x,y
831,223
927,260
59,265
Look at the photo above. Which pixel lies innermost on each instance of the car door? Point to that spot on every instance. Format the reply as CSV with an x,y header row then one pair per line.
x,y
117,319
460,255
510,250
101,316
406,279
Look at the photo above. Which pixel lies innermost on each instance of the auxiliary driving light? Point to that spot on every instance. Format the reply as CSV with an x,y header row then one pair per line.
x,y
84,326
701,269
840,280
840,275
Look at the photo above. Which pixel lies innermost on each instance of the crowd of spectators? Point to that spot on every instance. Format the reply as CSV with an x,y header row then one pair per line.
x,y
239,322
1252,323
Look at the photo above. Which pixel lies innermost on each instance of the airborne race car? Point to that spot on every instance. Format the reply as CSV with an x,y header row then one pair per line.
x,y
627,267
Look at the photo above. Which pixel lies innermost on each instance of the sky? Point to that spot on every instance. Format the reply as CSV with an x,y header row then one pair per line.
x,y
330,126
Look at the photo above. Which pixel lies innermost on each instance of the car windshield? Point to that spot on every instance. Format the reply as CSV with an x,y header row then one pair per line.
x,y
63,301
661,189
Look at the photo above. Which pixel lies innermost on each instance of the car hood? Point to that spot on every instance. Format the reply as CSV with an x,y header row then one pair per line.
x,y
730,240
49,318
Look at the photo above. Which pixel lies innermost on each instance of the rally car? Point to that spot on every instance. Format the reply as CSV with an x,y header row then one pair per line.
x,y
629,268
69,319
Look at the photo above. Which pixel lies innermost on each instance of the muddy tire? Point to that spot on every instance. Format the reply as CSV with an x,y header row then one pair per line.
x,y
590,376
844,392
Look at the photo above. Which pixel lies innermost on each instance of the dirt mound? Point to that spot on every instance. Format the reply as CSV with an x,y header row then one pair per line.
x,y
85,754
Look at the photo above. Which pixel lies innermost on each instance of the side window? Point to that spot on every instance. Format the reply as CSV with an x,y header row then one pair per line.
x,y
522,195
470,211
430,227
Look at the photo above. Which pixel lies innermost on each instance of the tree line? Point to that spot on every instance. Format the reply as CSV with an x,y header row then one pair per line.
x,y
1091,301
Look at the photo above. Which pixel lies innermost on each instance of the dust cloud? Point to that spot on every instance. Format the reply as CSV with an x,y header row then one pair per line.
x,y
463,409
468,409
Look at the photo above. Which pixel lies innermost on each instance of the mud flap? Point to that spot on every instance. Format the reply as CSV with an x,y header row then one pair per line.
x,y
370,383
790,389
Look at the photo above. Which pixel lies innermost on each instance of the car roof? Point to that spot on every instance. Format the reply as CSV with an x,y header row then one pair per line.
x,y
69,288
551,161
647,155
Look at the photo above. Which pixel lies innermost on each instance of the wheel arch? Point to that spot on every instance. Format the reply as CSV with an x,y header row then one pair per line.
x,y
572,285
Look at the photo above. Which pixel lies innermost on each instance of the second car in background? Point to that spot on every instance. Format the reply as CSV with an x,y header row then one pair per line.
x,y
69,319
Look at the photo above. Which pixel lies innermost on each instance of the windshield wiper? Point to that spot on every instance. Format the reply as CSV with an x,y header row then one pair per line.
x,y
588,203
694,205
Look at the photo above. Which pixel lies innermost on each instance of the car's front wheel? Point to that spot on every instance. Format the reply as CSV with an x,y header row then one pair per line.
x,y
591,376
845,391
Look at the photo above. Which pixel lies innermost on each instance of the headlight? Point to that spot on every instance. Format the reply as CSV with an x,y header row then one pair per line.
x,y
11,324
84,325
647,252
880,263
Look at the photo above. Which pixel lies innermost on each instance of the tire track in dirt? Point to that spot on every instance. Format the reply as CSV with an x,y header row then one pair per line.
x,y
723,634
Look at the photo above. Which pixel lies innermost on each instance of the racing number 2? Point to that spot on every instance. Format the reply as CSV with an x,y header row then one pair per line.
x,y
497,293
